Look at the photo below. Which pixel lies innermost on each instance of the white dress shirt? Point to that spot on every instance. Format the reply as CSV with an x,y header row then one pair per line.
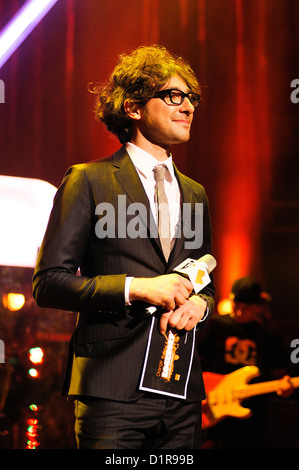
x,y
144,164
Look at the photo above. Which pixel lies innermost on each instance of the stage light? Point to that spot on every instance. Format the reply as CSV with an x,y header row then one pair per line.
x,y
32,421
21,25
225,307
33,407
32,200
32,433
32,444
13,301
36,355
33,373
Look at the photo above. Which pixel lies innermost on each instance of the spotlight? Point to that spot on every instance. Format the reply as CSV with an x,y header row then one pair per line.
x,y
225,307
13,301
25,20
36,355
33,373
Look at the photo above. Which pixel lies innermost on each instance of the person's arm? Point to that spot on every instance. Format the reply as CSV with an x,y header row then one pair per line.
x,y
55,282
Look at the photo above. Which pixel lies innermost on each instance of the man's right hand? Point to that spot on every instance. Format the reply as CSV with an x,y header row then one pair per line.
x,y
168,291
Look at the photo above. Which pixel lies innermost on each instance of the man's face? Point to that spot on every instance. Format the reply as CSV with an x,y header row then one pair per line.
x,y
165,125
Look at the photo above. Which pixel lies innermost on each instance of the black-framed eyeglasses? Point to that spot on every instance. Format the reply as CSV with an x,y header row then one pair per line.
x,y
174,97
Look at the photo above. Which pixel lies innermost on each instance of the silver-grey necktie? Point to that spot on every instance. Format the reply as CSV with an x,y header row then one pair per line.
x,y
163,210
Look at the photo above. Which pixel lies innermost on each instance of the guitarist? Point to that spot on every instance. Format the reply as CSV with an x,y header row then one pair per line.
x,y
243,337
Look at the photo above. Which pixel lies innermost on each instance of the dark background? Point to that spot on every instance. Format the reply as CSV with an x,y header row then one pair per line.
x,y
244,142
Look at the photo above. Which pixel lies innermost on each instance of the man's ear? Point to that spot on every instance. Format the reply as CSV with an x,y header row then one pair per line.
x,y
132,109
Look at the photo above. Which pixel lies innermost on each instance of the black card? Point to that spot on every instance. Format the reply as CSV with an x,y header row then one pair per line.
x,y
168,361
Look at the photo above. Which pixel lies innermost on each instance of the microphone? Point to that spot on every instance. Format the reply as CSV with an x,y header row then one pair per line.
x,y
197,271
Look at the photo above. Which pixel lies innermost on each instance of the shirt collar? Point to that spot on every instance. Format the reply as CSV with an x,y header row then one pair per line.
x,y
145,162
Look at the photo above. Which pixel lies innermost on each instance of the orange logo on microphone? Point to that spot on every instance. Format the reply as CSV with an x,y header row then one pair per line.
x,y
199,277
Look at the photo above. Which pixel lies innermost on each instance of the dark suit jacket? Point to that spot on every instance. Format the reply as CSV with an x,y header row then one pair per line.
x,y
108,345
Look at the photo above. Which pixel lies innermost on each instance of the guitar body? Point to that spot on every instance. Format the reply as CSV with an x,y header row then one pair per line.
x,y
222,395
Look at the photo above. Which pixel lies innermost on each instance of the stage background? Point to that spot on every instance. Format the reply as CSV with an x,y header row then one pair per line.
x,y
244,143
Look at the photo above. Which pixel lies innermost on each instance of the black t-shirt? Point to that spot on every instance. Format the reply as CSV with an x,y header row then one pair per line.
x,y
226,345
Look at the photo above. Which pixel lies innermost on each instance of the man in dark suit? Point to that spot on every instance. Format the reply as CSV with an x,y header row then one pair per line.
x,y
149,104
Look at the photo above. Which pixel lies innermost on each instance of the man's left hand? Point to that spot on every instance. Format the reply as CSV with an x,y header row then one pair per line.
x,y
185,317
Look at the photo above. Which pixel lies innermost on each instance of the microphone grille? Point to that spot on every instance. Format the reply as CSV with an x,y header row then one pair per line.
x,y
209,261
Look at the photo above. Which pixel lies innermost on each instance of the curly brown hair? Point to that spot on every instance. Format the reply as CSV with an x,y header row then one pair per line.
x,y
137,77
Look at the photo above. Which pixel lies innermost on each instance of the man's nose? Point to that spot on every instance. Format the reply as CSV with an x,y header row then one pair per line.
x,y
187,106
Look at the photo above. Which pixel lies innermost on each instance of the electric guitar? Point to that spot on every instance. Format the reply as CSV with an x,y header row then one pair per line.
x,y
225,393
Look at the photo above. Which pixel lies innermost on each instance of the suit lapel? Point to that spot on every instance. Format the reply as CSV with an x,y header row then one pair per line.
x,y
185,187
129,179
186,197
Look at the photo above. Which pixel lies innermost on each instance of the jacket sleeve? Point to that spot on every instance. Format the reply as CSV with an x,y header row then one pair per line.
x,y
56,283
209,291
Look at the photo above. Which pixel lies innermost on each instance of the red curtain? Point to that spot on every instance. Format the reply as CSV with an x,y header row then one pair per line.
x,y
243,146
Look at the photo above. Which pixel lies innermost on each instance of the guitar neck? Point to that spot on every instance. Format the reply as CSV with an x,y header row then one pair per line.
x,y
262,388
